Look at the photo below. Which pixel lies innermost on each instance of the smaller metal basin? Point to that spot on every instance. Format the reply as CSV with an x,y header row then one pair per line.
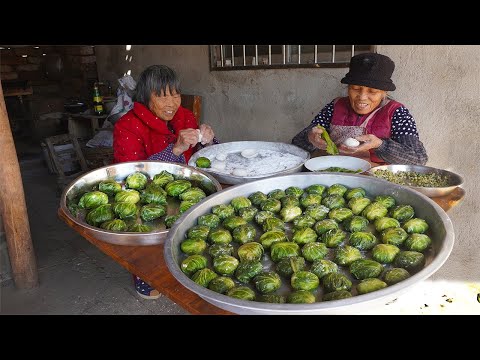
x,y
454,180
119,172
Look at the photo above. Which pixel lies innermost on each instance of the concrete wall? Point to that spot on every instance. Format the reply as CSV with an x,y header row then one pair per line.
x,y
440,84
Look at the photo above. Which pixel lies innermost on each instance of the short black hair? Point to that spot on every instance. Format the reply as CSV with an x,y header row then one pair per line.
x,y
153,80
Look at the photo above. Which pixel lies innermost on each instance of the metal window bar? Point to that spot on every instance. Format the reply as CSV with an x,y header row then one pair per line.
x,y
286,53
221,54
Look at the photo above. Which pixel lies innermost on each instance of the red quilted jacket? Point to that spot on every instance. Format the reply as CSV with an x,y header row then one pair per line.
x,y
139,133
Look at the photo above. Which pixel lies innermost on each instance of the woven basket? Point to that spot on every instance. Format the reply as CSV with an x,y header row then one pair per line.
x,y
98,157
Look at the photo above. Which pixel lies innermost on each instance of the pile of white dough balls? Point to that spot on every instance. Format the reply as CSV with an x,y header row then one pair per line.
x,y
239,172
221,157
351,142
218,165
249,153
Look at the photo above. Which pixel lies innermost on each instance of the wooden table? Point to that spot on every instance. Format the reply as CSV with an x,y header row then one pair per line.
x,y
75,120
149,264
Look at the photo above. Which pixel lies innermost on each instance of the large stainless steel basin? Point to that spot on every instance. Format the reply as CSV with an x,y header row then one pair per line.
x,y
441,233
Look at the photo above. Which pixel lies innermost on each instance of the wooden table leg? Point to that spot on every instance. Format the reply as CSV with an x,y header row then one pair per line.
x,y
95,126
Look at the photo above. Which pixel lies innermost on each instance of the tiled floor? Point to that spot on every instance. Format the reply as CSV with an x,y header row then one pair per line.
x,y
75,277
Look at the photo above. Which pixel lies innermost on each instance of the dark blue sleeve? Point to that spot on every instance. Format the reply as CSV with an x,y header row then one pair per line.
x,y
168,155
323,118
403,124
404,145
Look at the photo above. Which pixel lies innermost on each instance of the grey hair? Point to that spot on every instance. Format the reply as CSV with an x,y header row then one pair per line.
x,y
154,80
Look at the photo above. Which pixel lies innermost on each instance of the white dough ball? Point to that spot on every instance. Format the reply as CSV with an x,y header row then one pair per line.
x,y
351,142
249,153
221,157
199,136
239,172
218,165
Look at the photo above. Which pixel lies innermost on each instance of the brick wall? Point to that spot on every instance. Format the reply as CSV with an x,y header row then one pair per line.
x,y
55,73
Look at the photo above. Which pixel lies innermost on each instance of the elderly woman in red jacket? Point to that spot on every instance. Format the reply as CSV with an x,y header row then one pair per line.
x,y
158,128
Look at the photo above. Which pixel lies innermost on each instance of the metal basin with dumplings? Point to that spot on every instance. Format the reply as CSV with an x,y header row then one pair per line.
x,y
119,172
441,233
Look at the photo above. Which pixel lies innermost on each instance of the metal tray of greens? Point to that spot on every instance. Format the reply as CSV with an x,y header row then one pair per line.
x,y
428,180
119,172
239,162
440,231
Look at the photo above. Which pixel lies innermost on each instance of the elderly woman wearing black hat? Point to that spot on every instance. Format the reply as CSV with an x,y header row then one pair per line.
x,y
384,127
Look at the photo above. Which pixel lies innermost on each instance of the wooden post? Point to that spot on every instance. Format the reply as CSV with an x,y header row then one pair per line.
x,y
13,208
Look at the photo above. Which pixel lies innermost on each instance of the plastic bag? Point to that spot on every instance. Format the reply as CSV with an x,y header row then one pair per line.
x,y
124,95
102,138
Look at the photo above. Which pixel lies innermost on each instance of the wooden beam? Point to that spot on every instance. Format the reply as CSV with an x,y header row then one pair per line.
x,y
18,92
13,208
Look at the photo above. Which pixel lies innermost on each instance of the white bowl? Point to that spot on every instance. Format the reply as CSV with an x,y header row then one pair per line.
x,y
347,162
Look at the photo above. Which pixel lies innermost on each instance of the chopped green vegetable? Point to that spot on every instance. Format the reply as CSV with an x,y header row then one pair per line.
x,y
339,169
331,147
412,178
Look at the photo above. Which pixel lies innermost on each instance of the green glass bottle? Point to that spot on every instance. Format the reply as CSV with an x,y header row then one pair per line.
x,y
97,101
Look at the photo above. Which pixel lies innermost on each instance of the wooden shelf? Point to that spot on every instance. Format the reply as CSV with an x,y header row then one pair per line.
x,y
18,91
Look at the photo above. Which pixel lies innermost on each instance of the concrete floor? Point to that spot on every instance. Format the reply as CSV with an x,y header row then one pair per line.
x,y
75,277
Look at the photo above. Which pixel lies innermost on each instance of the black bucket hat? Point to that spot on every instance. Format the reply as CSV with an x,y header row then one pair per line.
x,y
371,70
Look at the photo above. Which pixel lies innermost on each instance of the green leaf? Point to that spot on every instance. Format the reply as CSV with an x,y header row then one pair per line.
x,y
331,147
